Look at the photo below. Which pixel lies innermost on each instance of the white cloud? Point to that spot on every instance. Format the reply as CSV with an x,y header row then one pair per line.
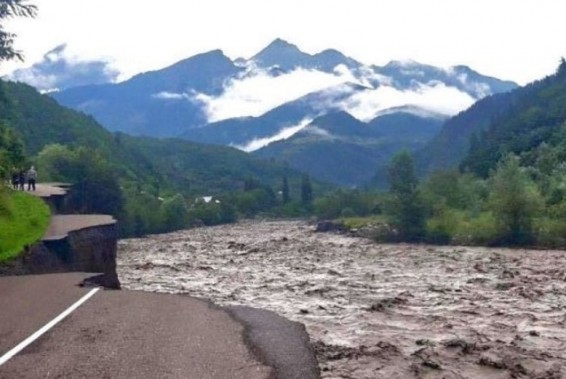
x,y
257,94
480,90
420,112
283,134
61,68
331,98
370,78
318,131
172,96
439,98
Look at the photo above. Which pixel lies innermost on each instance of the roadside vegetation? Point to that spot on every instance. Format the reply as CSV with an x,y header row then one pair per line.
x,y
23,222
515,205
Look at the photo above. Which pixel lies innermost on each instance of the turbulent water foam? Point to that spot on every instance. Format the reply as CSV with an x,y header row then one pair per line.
x,y
374,311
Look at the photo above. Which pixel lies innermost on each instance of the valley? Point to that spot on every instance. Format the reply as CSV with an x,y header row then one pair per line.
x,y
434,161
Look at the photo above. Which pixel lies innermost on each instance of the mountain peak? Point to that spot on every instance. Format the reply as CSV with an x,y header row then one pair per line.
x,y
200,72
216,54
405,63
328,59
280,53
279,43
278,47
331,53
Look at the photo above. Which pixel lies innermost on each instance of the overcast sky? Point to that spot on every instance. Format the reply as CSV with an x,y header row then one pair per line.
x,y
520,40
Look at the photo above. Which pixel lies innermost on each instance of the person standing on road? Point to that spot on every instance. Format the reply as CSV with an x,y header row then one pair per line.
x,y
32,176
15,178
22,180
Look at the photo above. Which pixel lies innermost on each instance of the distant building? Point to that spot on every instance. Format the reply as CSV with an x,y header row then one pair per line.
x,y
206,199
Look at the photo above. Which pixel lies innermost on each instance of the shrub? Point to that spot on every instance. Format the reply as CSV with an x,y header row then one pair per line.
x,y
441,228
479,230
550,232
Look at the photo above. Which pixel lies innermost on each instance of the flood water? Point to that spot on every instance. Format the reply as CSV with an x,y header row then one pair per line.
x,y
374,311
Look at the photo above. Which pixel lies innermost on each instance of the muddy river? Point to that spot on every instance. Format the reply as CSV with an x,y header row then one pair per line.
x,y
374,311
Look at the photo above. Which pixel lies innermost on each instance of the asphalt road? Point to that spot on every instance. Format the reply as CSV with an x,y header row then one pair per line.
x,y
119,334
61,225
29,302
127,334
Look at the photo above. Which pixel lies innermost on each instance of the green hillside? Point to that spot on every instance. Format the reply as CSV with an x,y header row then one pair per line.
x,y
133,176
507,185
507,122
537,116
511,185
339,149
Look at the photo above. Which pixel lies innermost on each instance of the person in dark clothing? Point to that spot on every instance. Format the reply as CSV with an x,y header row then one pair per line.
x,y
15,176
22,180
31,176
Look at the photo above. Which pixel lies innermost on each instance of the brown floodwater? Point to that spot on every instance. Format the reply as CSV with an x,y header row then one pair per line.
x,y
374,311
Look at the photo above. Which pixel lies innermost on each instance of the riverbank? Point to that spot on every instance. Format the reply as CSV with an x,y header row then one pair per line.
x,y
374,311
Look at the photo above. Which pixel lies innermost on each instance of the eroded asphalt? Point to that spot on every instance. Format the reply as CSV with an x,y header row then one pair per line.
x,y
127,334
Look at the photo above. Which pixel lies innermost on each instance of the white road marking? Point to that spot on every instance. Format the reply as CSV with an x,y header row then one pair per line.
x,y
22,345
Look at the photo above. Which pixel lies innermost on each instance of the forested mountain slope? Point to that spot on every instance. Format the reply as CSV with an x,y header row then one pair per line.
x,y
340,149
147,183
40,121
516,121
536,116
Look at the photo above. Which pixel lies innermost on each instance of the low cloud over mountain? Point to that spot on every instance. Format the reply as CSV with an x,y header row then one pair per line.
x,y
247,102
260,89
61,70
326,114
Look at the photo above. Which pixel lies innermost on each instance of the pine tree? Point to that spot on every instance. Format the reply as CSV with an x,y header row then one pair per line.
x,y
285,190
407,209
306,190
561,67
514,200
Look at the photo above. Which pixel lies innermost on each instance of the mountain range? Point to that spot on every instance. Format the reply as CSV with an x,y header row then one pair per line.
x,y
321,113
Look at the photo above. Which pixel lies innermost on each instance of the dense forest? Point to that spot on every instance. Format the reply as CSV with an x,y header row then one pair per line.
x,y
150,185
509,189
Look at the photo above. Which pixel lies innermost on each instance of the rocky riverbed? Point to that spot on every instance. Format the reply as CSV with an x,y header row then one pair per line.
x,y
374,311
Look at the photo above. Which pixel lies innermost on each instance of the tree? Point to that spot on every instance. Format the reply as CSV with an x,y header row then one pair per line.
x,y
11,151
407,210
285,190
306,190
174,214
10,9
251,183
11,156
514,201
95,184
561,67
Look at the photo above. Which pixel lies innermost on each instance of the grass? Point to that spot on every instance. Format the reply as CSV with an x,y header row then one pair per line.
x,y
359,222
23,222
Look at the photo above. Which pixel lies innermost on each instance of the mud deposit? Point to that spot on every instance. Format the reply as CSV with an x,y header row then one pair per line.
x,y
375,311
